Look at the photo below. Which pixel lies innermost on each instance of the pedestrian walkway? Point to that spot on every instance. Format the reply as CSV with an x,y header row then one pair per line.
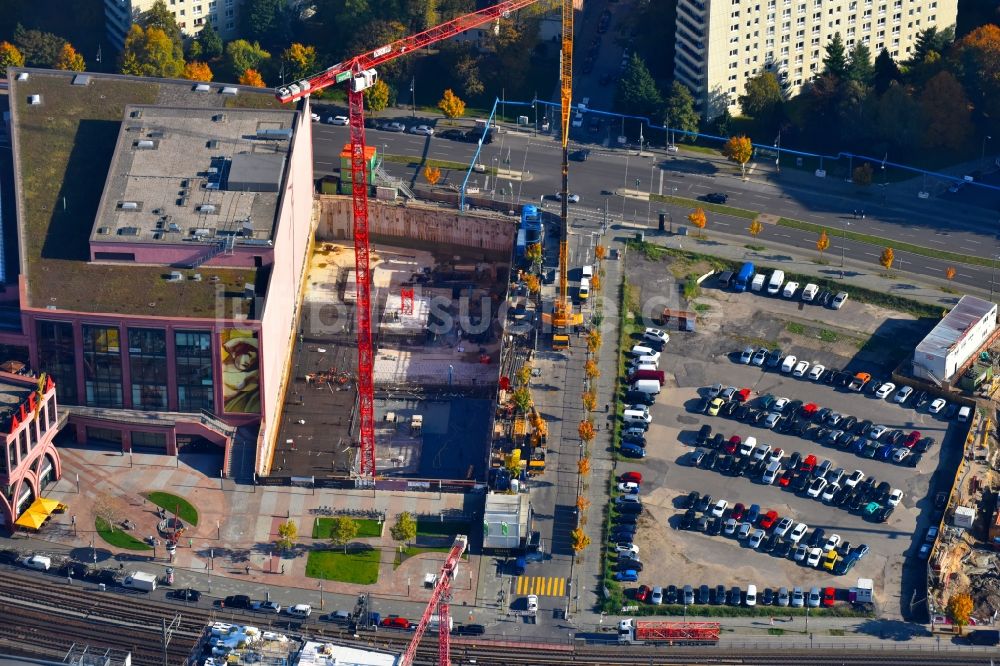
x,y
543,586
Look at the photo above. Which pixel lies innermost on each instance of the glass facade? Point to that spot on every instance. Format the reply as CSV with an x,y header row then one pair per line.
x,y
102,366
56,356
195,388
149,439
147,352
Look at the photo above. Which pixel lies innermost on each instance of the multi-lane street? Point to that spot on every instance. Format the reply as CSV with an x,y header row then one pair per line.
x,y
944,222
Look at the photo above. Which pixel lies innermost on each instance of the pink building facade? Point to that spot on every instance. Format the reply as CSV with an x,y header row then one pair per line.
x,y
29,419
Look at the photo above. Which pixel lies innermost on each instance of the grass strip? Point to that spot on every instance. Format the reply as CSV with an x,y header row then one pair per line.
x,y
898,246
440,164
173,504
359,566
367,528
411,551
436,528
117,537
715,208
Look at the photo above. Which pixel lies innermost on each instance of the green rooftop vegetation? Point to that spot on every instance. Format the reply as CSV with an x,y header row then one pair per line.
x,y
66,144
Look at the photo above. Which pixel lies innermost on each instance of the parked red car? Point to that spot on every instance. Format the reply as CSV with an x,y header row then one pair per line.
x,y
642,594
738,511
786,478
768,520
808,465
631,477
912,439
732,444
809,410
396,622
829,597
742,395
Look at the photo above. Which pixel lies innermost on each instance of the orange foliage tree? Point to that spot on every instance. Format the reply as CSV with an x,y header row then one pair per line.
x,y
197,71
252,77
586,430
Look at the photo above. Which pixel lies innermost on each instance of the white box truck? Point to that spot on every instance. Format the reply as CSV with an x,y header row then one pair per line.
x,y
140,580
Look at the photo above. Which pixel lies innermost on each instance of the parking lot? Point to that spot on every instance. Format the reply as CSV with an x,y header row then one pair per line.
x,y
693,362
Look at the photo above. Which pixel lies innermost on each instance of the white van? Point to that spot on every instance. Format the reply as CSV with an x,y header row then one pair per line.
x,y
631,416
587,271
641,351
774,284
751,595
964,413
646,360
758,282
809,292
435,622
300,610
650,386
584,289
644,366
41,562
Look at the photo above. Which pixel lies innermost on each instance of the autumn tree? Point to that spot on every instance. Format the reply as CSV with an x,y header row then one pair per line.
x,y
950,272
863,175
823,242
513,462
197,71
522,376
522,399
578,540
299,60
377,97
288,532
582,503
160,17
756,227
10,56
540,429
887,258
432,174
697,218
251,77
959,609
589,399
39,48
69,59
533,253
109,508
947,113
595,282
586,430
343,531
405,529
150,52
583,466
532,282
242,55
451,106
599,252
593,341
976,58
591,370
738,149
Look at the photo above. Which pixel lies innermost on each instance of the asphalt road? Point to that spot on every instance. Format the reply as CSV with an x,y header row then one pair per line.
x,y
943,222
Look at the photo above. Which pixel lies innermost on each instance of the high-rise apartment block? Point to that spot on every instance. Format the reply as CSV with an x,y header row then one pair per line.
x,y
191,15
723,43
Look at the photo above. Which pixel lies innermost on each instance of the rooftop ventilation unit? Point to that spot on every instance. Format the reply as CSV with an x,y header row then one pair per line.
x,y
103,231
219,118
136,114
196,277
173,227
81,80
201,233
202,87
23,76
145,144
34,100
128,231
129,205
206,209
230,90
212,144
175,276
274,134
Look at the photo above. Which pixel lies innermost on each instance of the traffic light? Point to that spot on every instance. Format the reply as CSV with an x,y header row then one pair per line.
x,y
637,182
663,222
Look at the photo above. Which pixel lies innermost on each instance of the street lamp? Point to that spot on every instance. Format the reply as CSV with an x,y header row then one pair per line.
x,y
982,153
413,98
843,245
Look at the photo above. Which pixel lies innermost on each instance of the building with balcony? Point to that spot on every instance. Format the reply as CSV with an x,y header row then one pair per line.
x,y
161,270
720,44
191,16
29,420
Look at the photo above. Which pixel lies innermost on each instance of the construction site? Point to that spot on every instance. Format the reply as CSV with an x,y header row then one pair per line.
x,y
439,281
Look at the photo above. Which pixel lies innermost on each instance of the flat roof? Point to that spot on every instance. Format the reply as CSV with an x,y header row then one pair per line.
x,y
314,653
64,147
969,311
12,394
194,175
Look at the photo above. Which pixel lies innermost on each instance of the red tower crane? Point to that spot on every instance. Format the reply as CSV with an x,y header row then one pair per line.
x,y
359,75
440,598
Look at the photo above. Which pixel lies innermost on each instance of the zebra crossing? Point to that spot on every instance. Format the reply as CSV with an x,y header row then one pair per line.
x,y
543,586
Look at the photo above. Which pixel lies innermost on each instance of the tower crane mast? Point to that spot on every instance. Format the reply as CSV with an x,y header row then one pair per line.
x,y
440,598
359,75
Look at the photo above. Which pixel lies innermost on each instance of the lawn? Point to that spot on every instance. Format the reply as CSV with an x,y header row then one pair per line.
x,y
410,551
367,527
119,538
435,528
359,566
174,504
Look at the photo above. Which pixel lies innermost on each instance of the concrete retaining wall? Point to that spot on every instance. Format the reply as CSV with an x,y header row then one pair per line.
x,y
412,225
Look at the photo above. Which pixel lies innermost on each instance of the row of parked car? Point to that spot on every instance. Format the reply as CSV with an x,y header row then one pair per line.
x,y
821,424
852,491
626,508
767,532
718,595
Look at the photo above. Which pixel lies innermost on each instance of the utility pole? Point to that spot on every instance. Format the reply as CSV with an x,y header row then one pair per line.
x,y
166,633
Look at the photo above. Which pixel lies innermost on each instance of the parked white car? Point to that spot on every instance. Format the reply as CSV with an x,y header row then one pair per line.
x,y
336,120
656,335
903,394
895,497
798,532
815,554
839,300
816,371
801,368
423,130
937,405
790,288
885,390
789,363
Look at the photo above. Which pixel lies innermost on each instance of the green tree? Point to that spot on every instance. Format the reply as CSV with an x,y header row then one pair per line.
x,y
928,41
69,59
150,52
39,49
10,56
264,20
680,111
835,60
158,16
886,72
405,529
343,531
861,68
762,98
299,61
374,33
946,110
210,41
637,93
467,71
377,96
898,118
522,399
242,55
288,532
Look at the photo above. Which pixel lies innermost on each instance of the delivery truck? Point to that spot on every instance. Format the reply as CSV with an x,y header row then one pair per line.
x,y
633,631
140,580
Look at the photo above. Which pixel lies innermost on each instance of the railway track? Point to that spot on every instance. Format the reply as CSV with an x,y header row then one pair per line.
x,y
45,620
